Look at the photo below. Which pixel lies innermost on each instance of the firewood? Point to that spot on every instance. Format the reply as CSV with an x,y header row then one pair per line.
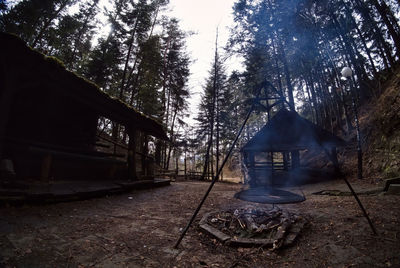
x,y
251,225
241,224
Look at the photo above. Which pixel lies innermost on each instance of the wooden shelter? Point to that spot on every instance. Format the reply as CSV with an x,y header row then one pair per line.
x,y
49,118
277,145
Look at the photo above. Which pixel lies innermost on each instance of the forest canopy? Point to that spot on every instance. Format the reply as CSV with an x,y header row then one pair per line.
x,y
298,46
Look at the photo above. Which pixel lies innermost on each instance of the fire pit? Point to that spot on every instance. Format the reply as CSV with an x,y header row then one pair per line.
x,y
251,226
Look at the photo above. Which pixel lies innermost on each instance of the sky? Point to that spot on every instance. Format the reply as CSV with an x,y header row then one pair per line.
x,y
203,17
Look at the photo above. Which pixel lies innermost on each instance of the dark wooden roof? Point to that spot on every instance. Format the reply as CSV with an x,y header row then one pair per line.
x,y
288,131
24,67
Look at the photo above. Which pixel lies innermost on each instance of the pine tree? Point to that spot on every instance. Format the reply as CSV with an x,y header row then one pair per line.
x,y
33,20
210,111
174,75
102,67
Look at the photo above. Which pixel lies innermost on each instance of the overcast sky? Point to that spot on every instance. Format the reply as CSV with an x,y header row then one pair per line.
x,y
203,17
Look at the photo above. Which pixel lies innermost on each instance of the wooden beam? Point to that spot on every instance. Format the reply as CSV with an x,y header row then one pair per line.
x,y
295,159
251,168
285,160
132,175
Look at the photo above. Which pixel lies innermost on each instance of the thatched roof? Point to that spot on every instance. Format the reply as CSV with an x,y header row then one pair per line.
x,y
24,67
288,131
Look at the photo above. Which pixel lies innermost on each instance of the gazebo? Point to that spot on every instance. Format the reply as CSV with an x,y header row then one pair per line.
x,y
49,118
277,146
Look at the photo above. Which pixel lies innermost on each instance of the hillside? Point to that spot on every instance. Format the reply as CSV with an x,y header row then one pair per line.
x,y
380,133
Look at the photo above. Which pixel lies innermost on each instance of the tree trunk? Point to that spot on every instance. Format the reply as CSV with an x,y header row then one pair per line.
x,y
128,80
277,69
185,163
135,82
383,12
312,110
347,45
171,137
214,99
176,163
128,56
346,113
288,79
217,132
367,51
384,58
211,173
145,151
378,35
314,99
157,153
364,43
165,76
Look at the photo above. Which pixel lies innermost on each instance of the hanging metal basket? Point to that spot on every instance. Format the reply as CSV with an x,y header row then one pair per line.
x,y
268,195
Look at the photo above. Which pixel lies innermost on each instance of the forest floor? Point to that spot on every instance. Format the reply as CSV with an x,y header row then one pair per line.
x,y
139,229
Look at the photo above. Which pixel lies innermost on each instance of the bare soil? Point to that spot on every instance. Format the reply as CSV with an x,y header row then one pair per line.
x,y
139,229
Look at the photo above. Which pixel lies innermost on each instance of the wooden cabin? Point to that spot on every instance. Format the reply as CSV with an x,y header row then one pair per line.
x,y
276,148
49,118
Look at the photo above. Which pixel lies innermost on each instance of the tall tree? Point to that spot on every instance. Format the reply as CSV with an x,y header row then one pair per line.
x,y
209,116
102,66
390,22
174,76
71,39
32,20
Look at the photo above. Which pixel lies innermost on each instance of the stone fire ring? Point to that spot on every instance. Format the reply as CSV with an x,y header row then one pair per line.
x,y
246,242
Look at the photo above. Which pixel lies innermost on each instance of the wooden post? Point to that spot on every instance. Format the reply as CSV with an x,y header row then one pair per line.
x,y
157,155
252,172
132,154
295,159
144,146
150,167
285,160
272,165
176,164
245,159
185,165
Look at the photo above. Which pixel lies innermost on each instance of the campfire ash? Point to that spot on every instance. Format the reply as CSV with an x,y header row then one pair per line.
x,y
252,226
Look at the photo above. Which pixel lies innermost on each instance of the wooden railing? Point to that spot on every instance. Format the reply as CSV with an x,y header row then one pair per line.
x,y
190,175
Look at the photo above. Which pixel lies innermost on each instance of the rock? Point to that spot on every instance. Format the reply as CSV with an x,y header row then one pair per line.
x,y
393,189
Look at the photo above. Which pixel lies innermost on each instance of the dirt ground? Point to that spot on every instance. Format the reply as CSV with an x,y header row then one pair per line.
x,y
139,229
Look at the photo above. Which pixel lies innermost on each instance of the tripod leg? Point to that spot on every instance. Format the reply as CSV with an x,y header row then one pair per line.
x,y
361,206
